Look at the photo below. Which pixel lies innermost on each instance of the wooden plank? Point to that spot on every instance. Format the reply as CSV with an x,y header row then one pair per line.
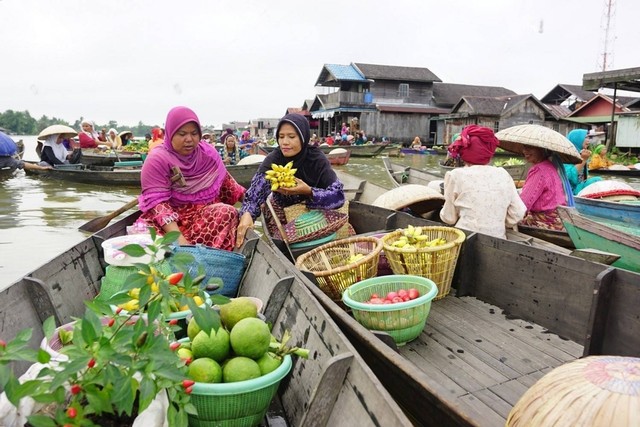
x,y
496,403
562,349
324,396
464,275
277,298
510,391
602,290
41,300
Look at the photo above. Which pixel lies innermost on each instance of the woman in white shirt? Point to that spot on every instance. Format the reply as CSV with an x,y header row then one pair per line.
x,y
480,197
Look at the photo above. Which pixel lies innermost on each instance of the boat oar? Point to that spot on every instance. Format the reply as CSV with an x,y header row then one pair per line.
x,y
99,223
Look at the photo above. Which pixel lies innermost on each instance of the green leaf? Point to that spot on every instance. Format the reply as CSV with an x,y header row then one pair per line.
x,y
206,318
89,333
218,299
169,238
153,233
153,310
43,356
134,250
24,335
99,400
190,409
181,420
49,327
147,393
12,391
41,421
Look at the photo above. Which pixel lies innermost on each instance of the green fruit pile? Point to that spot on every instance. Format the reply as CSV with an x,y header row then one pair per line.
x,y
241,349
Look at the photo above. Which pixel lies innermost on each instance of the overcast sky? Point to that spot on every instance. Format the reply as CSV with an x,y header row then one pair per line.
x,y
132,60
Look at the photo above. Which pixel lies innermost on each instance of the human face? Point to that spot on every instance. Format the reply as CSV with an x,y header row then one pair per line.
x,y
87,127
230,142
533,154
603,152
288,140
186,139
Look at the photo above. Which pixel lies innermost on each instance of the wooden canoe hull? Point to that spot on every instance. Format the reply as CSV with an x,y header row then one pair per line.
x,y
616,172
588,233
414,151
400,174
98,158
333,387
105,175
510,322
339,159
624,213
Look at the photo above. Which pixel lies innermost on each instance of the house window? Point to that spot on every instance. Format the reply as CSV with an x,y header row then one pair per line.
x,y
403,90
496,126
556,127
260,125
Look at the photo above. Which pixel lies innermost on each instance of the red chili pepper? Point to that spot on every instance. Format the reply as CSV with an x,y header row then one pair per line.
x,y
91,363
173,321
118,310
188,361
174,278
187,383
72,412
3,343
111,322
188,390
75,389
174,346
67,425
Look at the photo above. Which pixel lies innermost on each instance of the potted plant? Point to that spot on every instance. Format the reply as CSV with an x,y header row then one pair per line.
x,y
119,364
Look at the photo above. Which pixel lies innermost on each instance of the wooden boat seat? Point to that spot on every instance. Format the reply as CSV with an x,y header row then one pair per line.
x,y
127,164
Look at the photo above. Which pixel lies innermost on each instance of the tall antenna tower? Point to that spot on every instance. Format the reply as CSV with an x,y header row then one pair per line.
x,y
607,23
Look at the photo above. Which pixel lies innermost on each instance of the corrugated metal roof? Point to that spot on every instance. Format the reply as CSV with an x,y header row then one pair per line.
x,y
558,111
393,72
448,94
332,74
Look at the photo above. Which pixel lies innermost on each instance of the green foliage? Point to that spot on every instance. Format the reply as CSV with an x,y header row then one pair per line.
x,y
116,364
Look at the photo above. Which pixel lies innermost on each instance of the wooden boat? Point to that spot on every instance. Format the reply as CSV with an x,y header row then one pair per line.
x,y
338,158
616,172
499,152
95,157
557,237
125,176
333,387
400,174
366,150
8,171
517,172
622,212
517,312
414,151
592,232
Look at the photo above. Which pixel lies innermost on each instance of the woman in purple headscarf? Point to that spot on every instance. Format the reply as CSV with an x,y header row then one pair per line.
x,y
480,197
186,187
317,185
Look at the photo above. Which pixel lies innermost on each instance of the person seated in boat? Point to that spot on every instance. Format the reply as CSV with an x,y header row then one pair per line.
x,y
599,160
317,185
578,175
54,152
157,138
231,152
8,160
480,197
126,137
543,189
186,187
89,138
417,144
113,139
360,139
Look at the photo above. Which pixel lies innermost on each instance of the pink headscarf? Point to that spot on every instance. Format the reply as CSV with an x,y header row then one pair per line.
x,y
202,170
476,145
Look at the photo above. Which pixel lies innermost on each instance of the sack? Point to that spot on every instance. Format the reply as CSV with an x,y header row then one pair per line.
x,y
228,266
76,156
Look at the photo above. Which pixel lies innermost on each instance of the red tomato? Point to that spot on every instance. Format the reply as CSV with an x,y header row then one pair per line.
x,y
375,301
386,301
413,293
406,298
392,295
396,299
402,293
374,296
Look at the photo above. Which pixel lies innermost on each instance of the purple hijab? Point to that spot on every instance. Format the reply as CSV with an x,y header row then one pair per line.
x,y
312,164
203,170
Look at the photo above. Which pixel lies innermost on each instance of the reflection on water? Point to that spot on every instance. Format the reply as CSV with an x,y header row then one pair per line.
x,y
40,218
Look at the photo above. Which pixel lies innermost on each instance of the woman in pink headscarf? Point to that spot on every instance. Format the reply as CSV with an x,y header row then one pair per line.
x,y
186,187
480,197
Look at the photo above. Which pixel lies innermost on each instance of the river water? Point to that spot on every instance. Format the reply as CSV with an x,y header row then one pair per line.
x,y
40,218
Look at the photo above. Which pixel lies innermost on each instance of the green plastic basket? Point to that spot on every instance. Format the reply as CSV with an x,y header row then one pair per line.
x,y
403,321
240,404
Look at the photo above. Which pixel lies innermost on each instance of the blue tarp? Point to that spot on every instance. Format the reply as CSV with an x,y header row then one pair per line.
x,y
7,146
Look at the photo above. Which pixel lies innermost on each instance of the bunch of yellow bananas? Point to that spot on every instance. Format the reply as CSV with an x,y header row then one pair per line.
x,y
281,176
412,237
354,258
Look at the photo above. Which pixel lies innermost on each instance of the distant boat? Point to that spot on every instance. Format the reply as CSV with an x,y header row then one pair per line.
x,y
623,212
414,151
618,172
338,156
366,150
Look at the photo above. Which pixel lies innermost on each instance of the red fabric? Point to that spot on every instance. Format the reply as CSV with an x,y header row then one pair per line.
x,y
86,141
476,145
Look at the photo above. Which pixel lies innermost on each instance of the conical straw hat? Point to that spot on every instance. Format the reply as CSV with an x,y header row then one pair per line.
x,y
516,137
419,198
66,131
124,132
606,188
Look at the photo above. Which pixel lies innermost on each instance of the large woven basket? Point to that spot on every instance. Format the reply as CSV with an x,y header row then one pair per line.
x,y
330,265
436,263
597,391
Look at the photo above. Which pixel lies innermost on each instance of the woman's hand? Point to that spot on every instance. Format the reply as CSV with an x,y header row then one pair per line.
x,y
301,188
245,223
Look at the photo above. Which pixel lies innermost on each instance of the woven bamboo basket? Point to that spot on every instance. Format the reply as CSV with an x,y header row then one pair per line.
x,y
436,263
597,391
329,263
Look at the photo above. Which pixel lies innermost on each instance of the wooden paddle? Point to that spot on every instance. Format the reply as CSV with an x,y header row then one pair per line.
x,y
99,223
